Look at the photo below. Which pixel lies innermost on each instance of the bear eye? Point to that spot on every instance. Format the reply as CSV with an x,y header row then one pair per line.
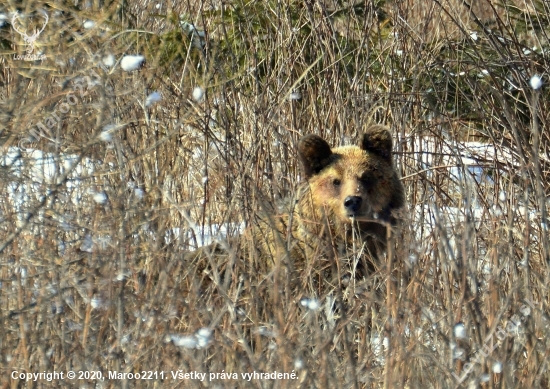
x,y
336,182
368,179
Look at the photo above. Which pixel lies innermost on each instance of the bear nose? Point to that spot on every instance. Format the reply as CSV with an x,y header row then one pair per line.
x,y
353,203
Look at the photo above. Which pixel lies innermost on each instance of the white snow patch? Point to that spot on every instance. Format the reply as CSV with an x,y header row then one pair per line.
x,y
535,82
131,62
99,197
206,235
311,303
460,331
184,341
109,60
197,94
152,99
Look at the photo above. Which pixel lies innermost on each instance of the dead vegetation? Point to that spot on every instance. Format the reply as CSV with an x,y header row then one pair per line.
x,y
100,203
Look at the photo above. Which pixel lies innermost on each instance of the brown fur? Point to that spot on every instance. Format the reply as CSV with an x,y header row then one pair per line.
x,y
316,225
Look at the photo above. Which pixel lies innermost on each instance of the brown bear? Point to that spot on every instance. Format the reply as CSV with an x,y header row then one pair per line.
x,y
342,211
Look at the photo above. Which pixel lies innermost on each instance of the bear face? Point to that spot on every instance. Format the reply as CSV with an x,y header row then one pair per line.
x,y
353,183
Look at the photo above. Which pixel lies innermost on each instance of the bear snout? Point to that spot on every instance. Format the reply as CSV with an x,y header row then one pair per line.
x,y
352,204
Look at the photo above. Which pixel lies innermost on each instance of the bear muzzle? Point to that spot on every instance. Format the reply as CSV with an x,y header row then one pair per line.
x,y
352,204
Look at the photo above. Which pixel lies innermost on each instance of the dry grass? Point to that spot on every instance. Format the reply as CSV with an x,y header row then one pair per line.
x,y
92,268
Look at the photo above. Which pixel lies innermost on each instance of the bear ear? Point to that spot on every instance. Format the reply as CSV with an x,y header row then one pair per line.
x,y
314,153
377,139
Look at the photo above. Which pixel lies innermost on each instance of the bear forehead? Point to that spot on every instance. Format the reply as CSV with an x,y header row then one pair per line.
x,y
353,160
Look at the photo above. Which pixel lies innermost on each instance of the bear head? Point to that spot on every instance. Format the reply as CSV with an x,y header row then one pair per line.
x,y
353,183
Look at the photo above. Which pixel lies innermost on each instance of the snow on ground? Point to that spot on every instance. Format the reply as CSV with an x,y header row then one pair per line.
x,y
463,173
460,157
31,174
207,235
44,167
464,168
